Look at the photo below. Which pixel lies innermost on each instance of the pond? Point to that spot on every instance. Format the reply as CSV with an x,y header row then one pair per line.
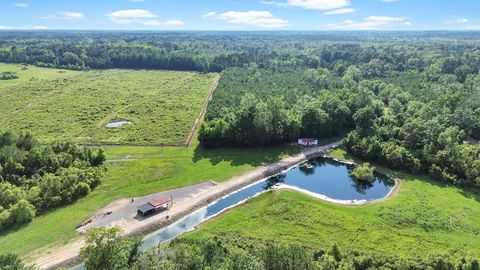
x,y
320,177
334,181
327,178
117,124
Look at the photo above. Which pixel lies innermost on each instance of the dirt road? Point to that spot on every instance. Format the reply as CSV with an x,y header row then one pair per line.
x,y
199,120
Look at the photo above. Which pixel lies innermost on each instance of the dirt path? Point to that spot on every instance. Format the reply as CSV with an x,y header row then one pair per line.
x,y
199,120
69,255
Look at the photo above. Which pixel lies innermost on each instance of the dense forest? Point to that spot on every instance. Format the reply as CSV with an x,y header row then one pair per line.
x,y
35,177
107,249
216,51
417,108
408,100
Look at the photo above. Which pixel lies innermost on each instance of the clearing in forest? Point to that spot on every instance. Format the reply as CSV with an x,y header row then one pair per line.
x,y
161,106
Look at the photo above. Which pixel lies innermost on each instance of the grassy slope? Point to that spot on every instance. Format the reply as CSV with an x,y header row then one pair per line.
x,y
163,105
155,169
423,218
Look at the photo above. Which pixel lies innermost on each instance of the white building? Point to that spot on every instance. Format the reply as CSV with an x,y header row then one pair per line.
x,y
308,141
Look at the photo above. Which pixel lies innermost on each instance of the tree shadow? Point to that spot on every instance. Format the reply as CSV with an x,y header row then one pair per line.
x,y
243,156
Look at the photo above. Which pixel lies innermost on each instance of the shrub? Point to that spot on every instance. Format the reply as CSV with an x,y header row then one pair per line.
x,y
8,75
364,172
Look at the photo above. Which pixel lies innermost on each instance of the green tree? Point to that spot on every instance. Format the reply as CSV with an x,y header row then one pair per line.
x,y
11,261
22,212
106,249
364,119
364,172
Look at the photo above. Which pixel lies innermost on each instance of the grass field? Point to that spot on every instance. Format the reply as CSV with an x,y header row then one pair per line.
x,y
152,169
423,218
56,104
33,75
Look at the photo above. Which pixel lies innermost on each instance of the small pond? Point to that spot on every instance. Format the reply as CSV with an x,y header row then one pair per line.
x,y
320,177
117,124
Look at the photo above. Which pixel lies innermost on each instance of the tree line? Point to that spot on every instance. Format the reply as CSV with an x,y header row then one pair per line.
x,y
214,52
425,119
106,249
35,177
264,107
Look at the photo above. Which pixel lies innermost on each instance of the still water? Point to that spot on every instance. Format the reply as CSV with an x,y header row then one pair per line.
x,y
324,177
117,124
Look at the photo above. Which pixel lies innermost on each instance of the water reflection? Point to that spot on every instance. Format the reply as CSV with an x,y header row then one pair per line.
x,y
321,176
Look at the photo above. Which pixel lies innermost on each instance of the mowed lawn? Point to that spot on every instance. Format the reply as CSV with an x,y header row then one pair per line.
x,y
423,218
149,170
72,105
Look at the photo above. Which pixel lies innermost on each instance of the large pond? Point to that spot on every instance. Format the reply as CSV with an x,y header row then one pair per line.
x,y
320,177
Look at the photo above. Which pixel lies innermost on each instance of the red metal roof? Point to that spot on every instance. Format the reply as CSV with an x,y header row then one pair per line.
x,y
159,201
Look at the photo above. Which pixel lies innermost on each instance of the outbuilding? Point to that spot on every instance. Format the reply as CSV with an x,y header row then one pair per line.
x,y
307,142
154,205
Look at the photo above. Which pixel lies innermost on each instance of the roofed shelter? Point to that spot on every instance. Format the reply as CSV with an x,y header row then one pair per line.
x,y
154,205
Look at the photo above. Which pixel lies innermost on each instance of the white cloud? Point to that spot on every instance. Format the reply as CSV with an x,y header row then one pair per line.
x,y
140,16
269,2
456,21
370,23
257,19
21,5
173,23
473,27
65,15
317,4
340,11
209,14
35,27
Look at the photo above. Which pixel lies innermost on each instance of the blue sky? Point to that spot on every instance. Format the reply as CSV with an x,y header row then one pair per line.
x,y
241,15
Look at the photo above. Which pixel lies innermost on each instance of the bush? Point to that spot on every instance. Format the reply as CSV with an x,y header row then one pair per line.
x,y
10,262
8,75
364,172
22,212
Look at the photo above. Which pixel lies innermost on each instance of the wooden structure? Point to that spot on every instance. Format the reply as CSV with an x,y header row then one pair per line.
x,y
155,205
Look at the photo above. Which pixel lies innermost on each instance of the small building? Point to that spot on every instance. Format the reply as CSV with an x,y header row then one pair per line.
x,y
154,205
307,142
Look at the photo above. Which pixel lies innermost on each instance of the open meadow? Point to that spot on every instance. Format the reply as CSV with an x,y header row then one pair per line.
x,y
161,106
425,218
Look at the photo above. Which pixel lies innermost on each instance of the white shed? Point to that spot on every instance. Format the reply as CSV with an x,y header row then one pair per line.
x,y
308,141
